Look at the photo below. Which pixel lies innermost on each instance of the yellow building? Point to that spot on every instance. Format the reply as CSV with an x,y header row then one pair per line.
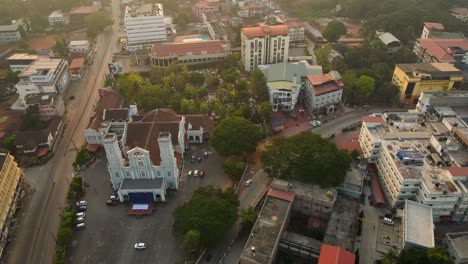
x,y
10,179
414,78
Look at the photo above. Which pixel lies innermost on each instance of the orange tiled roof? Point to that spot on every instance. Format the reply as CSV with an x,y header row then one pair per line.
x,y
440,48
431,25
265,30
178,49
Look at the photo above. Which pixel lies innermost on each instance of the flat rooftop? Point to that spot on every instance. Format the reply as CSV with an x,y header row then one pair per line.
x,y
144,10
341,226
23,56
418,221
438,69
265,235
41,99
459,242
40,65
313,191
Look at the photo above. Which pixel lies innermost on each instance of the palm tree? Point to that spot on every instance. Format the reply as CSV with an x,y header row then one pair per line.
x,y
390,257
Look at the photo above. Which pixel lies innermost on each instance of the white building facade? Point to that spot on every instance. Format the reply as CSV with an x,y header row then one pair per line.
x,y
323,91
57,17
79,46
10,33
264,45
144,25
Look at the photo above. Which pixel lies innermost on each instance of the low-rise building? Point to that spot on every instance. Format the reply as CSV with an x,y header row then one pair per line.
x,y
391,42
11,177
453,51
205,6
58,17
430,27
77,68
39,142
43,45
48,104
44,75
414,78
79,46
456,246
10,33
189,53
323,91
333,254
19,62
427,101
417,226
144,25
460,13
412,154
285,82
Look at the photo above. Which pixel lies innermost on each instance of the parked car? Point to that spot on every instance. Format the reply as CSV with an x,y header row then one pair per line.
x,y
205,154
80,203
199,159
195,173
80,214
313,123
202,173
140,245
248,182
190,173
111,202
114,198
388,221
80,226
81,208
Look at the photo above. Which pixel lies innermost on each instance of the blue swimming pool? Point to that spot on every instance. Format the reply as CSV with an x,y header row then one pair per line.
x,y
200,38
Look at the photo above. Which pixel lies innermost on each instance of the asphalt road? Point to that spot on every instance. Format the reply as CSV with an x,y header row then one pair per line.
x,y
35,240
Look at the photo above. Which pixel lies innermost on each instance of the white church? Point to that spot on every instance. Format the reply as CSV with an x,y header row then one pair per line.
x,y
144,153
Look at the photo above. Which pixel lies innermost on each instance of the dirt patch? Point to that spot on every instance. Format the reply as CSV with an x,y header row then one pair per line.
x,y
10,121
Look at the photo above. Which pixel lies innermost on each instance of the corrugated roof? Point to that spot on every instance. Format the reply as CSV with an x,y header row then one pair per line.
x,y
283,195
195,47
265,30
286,71
388,38
335,255
11,27
77,63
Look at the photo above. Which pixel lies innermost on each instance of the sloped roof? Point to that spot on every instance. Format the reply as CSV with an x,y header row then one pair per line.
x,y
432,25
197,121
265,30
373,119
77,63
108,100
29,140
115,114
388,38
440,48
456,171
179,49
460,11
335,255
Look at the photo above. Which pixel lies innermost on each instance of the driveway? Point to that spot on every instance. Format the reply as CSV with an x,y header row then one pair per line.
x,y
110,233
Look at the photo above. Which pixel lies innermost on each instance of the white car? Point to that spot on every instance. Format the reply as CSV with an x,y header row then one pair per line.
x,y
388,221
140,246
190,173
80,203
195,173
318,123
313,123
248,182
80,214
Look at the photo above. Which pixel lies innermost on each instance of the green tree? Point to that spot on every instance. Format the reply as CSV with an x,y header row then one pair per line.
x,y
12,77
306,157
437,255
334,30
230,76
31,120
354,154
191,241
234,169
258,86
195,78
82,157
366,85
264,109
322,54
390,257
64,235
248,216
210,211
61,47
182,20
9,143
235,136
97,22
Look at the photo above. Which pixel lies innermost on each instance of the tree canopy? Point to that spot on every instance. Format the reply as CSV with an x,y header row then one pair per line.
x,y
211,212
235,136
61,47
434,255
31,120
333,31
308,158
97,22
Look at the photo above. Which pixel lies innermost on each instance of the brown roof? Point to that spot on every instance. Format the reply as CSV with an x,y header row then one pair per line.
x,y
458,171
77,63
81,10
29,140
317,79
115,114
108,100
431,25
293,22
373,119
265,30
460,11
324,83
161,115
179,49
198,121
441,48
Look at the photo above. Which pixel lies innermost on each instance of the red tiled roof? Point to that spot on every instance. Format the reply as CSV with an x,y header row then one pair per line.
x,y
458,171
372,119
335,255
441,48
317,79
376,189
198,121
81,10
92,147
293,22
109,99
76,63
460,11
42,151
178,49
265,30
283,195
431,25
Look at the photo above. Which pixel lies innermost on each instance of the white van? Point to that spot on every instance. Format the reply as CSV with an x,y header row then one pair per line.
x,y
80,226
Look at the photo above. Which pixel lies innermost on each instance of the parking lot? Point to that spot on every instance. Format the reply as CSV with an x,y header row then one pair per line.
x,y
110,233
388,236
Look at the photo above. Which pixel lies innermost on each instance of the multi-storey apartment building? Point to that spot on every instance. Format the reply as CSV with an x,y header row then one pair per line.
x,y
19,62
48,105
144,25
79,46
455,246
44,75
412,156
296,29
10,33
10,189
414,78
429,100
264,45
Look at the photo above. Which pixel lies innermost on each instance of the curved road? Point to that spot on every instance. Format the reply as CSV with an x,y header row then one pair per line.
x,y
35,241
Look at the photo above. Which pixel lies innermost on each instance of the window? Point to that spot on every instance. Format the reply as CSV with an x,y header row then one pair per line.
x,y
433,198
169,173
406,185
